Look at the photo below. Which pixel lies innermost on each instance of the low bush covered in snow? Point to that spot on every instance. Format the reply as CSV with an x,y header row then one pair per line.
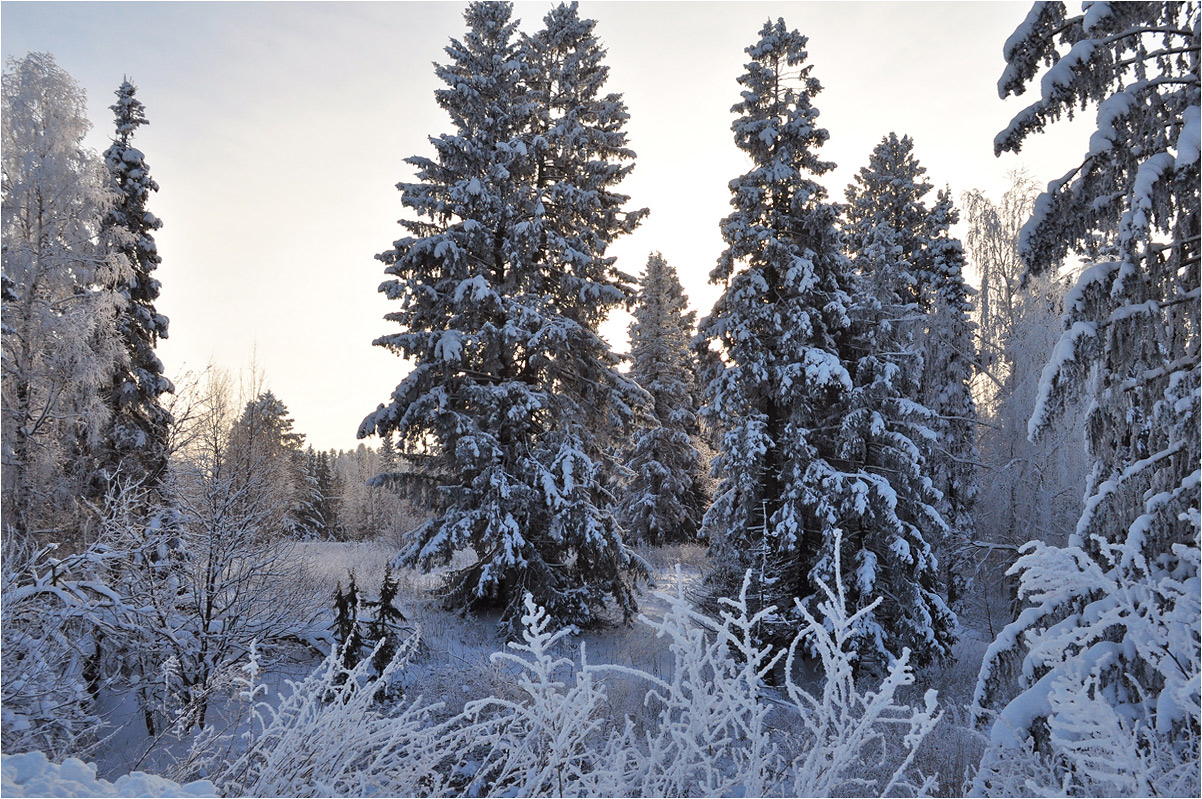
x,y
713,726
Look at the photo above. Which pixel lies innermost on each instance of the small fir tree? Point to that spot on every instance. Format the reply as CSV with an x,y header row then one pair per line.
x,y
348,636
389,462
385,629
667,493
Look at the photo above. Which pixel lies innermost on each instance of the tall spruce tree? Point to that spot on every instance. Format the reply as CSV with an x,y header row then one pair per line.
x,y
915,307
135,443
579,155
1111,630
947,391
667,494
818,465
781,324
513,399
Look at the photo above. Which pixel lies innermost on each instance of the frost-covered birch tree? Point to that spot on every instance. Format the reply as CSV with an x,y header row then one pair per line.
x,y
513,398
667,495
991,242
212,577
1029,488
136,443
57,338
1109,640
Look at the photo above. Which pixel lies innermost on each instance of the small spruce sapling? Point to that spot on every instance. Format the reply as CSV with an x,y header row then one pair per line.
x,y
347,635
384,630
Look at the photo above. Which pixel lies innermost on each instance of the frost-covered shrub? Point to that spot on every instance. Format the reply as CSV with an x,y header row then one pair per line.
x,y
715,727
52,610
328,735
546,740
710,735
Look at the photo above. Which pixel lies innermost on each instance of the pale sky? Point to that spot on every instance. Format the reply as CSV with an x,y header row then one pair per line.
x,y
278,132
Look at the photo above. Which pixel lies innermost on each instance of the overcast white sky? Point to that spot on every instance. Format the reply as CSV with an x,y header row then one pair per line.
x,y
278,133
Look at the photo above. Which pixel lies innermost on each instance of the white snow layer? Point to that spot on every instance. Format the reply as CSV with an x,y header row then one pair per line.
x,y
1063,353
1189,143
32,774
1095,14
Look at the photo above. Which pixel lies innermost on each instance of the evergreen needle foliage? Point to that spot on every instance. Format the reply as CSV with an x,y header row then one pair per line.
x,y
1108,641
667,495
514,401
819,463
136,441
914,308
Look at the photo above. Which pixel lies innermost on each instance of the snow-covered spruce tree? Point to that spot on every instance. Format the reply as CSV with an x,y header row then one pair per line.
x,y
57,339
947,391
136,439
815,471
1111,631
579,155
667,494
513,396
268,460
913,306
781,323
317,510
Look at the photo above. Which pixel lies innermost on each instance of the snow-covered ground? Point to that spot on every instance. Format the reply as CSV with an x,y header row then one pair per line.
x,y
31,774
455,666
